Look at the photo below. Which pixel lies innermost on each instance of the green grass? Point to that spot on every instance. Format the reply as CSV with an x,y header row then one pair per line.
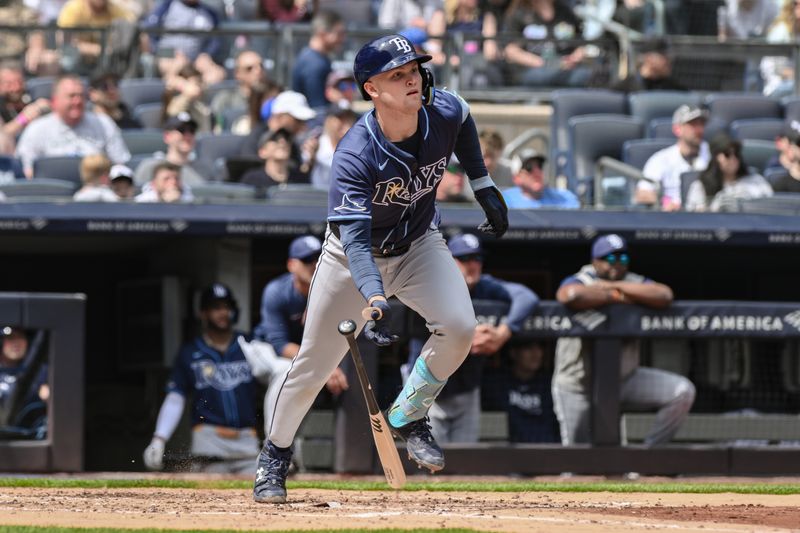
x,y
438,486
47,529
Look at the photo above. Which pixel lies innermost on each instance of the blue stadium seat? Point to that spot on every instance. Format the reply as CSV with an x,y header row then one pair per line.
x,y
44,189
296,194
791,108
149,115
213,149
660,128
67,168
764,129
41,87
569,103
10,168
648,105
595,136
144,141
724,108
137,91
636,152
756,153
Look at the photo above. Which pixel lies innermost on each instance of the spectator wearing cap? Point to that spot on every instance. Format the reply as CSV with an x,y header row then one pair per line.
x,y
275,149
451,188
726,181
95,176
289,111
180,137
165,186
340,89
313,65
70,129
106,100
248,71
532,191
663,169
455,414
122,182
607,280
337,122
283,305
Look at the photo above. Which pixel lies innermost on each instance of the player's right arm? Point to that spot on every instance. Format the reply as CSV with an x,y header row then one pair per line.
x,y
169,416
578,296
274,328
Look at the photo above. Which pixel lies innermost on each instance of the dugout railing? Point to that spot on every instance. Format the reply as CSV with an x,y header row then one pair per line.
x,y
709,443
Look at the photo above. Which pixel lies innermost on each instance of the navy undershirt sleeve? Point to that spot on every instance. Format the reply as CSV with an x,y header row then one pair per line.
x,y
355,236
468,150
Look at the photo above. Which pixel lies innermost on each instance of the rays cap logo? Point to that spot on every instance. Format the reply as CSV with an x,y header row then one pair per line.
x,y
465,244
402,44
305,247
608,244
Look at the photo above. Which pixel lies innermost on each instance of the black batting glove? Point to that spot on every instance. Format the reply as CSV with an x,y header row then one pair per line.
x,y
377,329
494,205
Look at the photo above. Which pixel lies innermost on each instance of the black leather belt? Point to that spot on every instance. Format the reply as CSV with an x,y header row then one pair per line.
x,y
376,251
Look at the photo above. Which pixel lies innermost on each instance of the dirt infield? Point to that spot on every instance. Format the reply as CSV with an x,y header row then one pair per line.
x,y
327,509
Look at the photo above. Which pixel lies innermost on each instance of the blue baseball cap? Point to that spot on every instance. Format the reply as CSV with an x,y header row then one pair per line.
x,y
608,244
304,247
465,244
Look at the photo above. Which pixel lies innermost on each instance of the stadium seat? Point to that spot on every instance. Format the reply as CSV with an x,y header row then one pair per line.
x,y
724,108
757,153
774,174
636,152
144,141
214,148
133,162
137,91
660,128
67,168
229,116
791,108
295,194
786,203
595,136
149,115
648,105
221,192
41,87
212,90
10,169
44,189
764,129
569,103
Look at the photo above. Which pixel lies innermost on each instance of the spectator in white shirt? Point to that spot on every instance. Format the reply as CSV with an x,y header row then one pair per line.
x,y
70,129
95,171
165,187
664,168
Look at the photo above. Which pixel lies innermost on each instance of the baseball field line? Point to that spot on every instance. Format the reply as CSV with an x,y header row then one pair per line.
x,y
437,486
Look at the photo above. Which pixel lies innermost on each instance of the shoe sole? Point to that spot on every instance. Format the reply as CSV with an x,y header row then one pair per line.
x,y
270,499
422,464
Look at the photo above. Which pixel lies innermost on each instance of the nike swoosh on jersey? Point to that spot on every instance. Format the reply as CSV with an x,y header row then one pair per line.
x,y
381,167
349,205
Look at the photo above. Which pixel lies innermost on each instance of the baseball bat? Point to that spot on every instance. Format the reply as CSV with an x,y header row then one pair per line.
x,y
384,442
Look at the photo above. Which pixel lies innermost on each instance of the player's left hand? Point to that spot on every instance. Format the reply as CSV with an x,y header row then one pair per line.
x,y
493,204
377,330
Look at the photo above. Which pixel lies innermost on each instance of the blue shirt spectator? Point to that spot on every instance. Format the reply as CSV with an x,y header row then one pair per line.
x,y
313,64
531,192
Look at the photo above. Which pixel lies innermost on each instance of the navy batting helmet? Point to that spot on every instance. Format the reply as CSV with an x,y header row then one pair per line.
x,y
219,292
384,54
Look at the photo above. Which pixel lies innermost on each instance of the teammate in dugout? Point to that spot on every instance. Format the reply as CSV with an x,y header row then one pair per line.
x,y
216,371
383,240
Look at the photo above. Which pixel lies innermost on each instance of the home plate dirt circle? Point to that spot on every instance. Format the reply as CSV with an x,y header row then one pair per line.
x,y
336,509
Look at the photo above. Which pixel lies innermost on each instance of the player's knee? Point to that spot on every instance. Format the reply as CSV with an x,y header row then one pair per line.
x,y
686,393
462,330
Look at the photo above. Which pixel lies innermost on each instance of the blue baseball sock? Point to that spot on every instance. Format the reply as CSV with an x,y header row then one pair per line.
x,y
417,395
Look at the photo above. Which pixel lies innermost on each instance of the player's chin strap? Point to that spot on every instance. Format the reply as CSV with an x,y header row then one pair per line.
x,y
427,85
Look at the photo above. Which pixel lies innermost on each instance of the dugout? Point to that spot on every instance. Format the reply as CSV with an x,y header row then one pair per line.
x,y
139,266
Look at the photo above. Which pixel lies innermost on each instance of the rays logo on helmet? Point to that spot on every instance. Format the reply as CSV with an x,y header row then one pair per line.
x,y
402,44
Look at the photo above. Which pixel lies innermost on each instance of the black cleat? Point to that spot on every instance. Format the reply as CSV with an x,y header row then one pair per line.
x,y
421,445
271,471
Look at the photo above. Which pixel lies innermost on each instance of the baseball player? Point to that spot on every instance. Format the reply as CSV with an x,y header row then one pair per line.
x,y
283,305
607,280
382,240
214,372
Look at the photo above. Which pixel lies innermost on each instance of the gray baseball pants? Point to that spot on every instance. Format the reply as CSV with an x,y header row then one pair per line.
x,y
646,388
426,279
457,417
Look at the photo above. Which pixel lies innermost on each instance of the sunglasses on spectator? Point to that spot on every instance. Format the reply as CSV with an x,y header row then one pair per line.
x,y
346,86
470,257
613,259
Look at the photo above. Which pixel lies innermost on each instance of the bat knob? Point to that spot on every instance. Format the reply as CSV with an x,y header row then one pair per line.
x,y
347,327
